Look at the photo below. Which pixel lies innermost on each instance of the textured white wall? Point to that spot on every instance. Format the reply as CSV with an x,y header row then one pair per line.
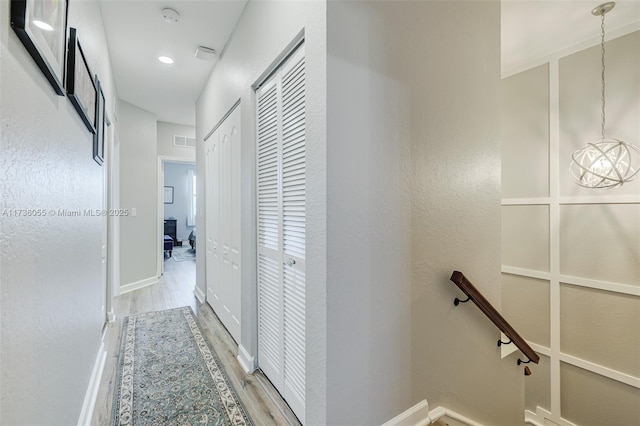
x,y
263,32
139,190
50,282
165,140
413,192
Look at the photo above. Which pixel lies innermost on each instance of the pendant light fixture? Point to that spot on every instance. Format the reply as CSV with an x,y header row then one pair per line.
x,y
605,163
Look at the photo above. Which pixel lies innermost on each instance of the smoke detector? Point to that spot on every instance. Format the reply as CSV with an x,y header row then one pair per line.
x,y
205,53
170,15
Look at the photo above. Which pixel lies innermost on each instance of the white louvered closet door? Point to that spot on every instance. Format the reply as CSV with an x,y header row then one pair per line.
x,y
281,230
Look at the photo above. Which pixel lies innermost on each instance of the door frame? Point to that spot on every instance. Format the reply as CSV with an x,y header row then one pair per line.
x,y
111,179
162,159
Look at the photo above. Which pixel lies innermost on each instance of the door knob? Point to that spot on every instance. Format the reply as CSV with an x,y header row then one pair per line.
x,y
291,262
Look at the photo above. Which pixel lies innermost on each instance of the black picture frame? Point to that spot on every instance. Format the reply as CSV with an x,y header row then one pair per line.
x,y
81,86
99,135
41,25
168,194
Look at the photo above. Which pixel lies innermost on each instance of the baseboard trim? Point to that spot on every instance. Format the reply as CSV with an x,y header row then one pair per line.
x,y
246,361
542,417
418,415
440,412
92,390
128,288
199,294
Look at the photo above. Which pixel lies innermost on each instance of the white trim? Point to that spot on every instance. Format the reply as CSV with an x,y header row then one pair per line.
x,y
601,370
197,291
601,199
440,412
128,288
536,201
94,385
630,290
627,289
416,415
246,361
512,270
543,417
542,350
596,199
577,47
554,237
111,316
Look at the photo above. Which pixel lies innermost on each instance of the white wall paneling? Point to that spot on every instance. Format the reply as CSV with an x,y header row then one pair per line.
x,y
592,242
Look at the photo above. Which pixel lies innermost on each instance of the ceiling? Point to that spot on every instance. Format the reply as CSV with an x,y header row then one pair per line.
x,y
534,29
137,34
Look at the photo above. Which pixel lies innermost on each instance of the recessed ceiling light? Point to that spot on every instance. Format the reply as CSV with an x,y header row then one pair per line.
x,y
165,59
170,15
42,25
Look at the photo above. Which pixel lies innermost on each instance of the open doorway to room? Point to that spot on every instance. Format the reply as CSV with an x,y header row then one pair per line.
x,y
177,210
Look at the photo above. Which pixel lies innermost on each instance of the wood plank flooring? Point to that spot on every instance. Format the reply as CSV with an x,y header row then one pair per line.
x,y
175,289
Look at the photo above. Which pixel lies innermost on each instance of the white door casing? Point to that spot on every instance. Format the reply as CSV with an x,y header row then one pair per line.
x,y
281,229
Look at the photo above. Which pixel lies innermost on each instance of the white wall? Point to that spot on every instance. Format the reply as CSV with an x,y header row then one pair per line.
x,y
263,32
139,190
50,283
413,192
177,176
165,140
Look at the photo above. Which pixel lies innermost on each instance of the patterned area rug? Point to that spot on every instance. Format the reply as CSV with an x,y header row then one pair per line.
x,y
180,254
168,374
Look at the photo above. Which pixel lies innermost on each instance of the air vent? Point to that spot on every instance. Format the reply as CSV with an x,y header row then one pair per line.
x,y
184,141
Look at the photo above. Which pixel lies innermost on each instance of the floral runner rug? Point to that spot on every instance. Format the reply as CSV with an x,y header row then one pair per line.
x,y
168,374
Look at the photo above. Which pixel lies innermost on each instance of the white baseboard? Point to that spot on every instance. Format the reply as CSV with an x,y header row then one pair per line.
x,y
542,417
92,390
198,293
414,416
442,412
127,288
419,415
246,361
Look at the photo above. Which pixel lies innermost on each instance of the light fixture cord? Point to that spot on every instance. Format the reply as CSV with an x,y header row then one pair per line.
x,y
603,85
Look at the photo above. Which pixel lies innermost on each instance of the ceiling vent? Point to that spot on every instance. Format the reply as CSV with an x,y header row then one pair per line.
x,y
205,53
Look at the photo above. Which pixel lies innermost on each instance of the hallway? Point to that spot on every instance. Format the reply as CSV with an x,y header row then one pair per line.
x,y
175,289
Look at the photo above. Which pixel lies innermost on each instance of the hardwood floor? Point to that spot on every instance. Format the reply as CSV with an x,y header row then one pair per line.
x,y
175,289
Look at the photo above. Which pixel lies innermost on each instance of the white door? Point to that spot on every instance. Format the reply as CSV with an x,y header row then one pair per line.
x,y
281,230
222,200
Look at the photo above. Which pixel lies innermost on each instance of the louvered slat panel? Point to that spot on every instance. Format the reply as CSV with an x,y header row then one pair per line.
x,y
293,160
269,318
268,208
294,330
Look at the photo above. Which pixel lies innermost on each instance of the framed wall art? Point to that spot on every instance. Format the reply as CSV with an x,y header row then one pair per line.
x,y
81,86
99,135
168,194
41,25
